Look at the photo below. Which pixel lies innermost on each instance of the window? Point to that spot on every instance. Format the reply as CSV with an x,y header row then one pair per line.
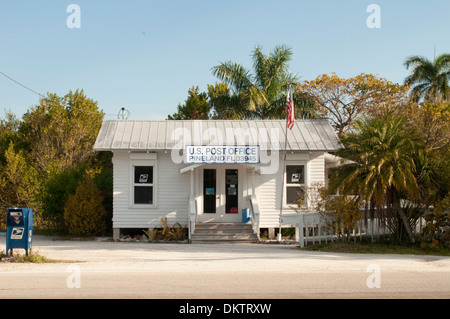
x,y
143,185
295,184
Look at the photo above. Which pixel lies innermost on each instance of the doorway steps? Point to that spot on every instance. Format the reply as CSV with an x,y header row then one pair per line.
x,y
223,233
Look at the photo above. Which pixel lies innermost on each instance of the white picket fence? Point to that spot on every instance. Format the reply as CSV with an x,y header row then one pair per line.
x,y
311,228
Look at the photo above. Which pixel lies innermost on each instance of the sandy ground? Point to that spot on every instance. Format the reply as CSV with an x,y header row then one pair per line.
x,y
106,269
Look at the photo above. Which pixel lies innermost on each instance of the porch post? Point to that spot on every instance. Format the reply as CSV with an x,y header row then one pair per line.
x,y
253,181
192,181
192,207
301,238
283,181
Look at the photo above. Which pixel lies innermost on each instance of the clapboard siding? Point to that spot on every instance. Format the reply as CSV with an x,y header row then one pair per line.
x,y
173,189
171,194
316,168
269,187
121,176
269,194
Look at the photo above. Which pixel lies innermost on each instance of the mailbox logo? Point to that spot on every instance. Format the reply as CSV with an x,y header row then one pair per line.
x,y
17,233
15,217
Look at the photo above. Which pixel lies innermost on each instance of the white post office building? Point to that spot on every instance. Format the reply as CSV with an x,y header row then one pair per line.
x,y
201,173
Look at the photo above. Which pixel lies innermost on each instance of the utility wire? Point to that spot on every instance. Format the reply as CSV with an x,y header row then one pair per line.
x,y
43,97
7,76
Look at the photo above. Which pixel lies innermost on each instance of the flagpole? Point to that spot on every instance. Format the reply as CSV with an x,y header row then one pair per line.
x,y
284,169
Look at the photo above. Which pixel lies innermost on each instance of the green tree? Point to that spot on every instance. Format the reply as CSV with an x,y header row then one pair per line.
x,y
344,100
437,228
432,120
381,151
62,184
19,181
196,107
8,133
263,92
429,79
56,137
59,186
84,214
224,104
60,132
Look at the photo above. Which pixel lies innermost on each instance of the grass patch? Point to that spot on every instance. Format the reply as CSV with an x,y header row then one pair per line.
x,y
33,257
379,248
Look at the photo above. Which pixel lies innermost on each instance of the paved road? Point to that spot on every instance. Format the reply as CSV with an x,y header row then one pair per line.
x,y
176,271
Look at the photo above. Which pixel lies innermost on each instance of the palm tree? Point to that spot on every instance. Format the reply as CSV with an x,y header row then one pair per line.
x,y
382,165
264,91
429,79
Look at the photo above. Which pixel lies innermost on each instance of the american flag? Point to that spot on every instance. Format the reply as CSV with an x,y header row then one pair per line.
x,y
290,109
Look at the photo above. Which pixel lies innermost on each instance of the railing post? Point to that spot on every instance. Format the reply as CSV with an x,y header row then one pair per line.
x,y
318,231
254,209
313,233
301,239
306,232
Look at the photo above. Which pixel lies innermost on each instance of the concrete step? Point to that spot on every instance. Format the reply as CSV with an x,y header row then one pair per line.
x,y
224,225
223,232
228,228
207,236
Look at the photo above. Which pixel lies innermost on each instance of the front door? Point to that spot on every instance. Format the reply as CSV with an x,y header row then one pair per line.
x,y
221,195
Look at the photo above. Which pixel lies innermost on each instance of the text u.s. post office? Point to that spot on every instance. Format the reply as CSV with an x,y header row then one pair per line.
x,y
197,172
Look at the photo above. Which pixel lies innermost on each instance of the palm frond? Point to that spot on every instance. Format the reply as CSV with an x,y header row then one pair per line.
x,y
233,74
262,91
429,78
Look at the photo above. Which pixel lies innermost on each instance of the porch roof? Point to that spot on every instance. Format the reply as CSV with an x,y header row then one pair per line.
x,y
140,135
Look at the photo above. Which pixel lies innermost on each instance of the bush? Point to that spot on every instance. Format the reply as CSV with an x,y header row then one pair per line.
x,y
341,212
59,186
175,233
437,229
84,214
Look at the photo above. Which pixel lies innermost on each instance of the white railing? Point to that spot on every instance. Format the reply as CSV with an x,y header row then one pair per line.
x,y
192,215
254,213
309,227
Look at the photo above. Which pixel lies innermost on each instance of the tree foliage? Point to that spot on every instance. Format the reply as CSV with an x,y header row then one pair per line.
x,y
196,107
343,101
245,94
19,181
218,103
263,92
59,186
225,104
437,228
46,153
432,120
84,214
429,80
8,133
60,132
382,171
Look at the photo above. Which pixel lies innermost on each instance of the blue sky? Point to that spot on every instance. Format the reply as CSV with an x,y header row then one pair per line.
x,y
145,55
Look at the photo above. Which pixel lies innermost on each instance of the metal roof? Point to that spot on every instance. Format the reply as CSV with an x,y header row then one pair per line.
x,y
306,135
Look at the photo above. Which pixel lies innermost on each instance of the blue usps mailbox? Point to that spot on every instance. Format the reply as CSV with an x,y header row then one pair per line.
x,y
19,229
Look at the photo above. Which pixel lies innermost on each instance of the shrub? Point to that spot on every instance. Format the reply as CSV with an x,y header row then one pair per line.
x,y
437,229
175,233
58,187
340,212
84,214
